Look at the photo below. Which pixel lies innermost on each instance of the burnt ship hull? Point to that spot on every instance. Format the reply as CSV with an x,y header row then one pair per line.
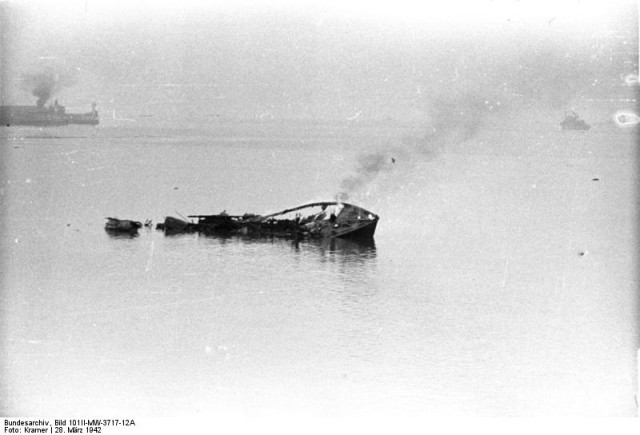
x,y
322,220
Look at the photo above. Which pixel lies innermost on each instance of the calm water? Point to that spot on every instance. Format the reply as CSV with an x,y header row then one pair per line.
x,y
502,280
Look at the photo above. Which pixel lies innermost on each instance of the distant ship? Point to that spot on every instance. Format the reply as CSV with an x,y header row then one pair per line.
x,y
572,121
42,116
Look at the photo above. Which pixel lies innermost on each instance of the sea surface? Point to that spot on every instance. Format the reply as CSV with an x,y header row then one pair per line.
x,y
502,280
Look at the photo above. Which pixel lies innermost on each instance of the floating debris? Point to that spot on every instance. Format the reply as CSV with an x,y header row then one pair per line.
x,y
122,225
175,225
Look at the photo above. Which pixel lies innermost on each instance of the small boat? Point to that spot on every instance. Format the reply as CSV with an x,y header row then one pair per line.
x,y
122,225
315,220
572,121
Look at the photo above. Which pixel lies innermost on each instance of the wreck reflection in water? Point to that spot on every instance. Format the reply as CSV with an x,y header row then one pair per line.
x,y
347,249
121,234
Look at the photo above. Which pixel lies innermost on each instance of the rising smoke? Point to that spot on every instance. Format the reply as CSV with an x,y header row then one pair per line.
x,y
544,76
46,83
451,119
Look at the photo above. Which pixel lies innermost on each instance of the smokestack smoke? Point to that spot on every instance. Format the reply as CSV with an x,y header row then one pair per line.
x,y
44,84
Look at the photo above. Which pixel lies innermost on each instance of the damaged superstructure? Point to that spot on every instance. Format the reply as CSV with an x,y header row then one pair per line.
x,y
315,220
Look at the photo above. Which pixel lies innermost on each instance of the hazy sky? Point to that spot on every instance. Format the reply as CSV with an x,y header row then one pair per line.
x,y
316,59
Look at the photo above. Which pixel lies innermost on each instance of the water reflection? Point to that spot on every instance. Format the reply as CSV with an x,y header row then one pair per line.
x,y
346,250
118,234
335,248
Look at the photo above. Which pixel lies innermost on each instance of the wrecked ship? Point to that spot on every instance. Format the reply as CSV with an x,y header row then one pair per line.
x,y
315,220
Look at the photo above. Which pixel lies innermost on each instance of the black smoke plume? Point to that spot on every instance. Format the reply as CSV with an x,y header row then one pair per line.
x,y
368,167
46,83
543,74
450,119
